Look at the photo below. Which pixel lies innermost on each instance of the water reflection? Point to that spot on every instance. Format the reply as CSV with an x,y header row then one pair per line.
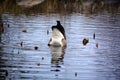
x,y
57,54
24,61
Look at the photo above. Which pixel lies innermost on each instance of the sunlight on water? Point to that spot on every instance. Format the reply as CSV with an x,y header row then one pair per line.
x,y
24,53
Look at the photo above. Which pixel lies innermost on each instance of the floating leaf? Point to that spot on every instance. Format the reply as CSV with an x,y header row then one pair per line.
x,y
38,64
97,45
1,27
21,44
85,41
43,58
75,74
56,70
47,32
36,47
24,30
94,36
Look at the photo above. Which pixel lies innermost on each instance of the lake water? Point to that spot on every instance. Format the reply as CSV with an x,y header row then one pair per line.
x,y
24,54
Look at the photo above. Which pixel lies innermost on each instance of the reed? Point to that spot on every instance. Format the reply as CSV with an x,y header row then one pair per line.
x,y
61,6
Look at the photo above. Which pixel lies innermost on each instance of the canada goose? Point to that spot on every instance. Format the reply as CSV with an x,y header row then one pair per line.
x,y
58,36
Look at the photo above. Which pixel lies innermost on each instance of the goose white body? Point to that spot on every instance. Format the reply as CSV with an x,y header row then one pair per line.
x,y
57,38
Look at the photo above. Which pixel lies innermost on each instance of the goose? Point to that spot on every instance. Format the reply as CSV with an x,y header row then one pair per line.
x,y
58,36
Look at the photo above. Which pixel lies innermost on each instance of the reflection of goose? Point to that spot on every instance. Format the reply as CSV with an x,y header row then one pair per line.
x,y
57,54
58,36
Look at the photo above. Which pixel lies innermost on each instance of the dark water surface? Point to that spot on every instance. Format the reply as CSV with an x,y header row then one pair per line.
x,y
98,60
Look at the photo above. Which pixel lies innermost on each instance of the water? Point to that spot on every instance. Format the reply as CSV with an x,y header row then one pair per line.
x,y
20,60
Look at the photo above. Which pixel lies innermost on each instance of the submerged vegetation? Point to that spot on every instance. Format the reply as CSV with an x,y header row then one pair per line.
x,y
62,6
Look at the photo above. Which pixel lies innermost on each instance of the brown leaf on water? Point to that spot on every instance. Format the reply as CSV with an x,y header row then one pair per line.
x,y
24,30
75,74
1,27
38,64
47,32
43,58
85,41
21,43
94,36
97,45
36,47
